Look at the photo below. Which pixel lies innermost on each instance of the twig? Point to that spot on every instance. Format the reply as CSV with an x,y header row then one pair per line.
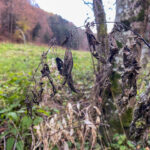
x,y
37,145
33,138
93,64
53,86
4,143
88,4
140,37
17,131
14,147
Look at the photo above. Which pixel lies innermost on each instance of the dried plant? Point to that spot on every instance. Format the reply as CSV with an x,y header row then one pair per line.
x,y
82,119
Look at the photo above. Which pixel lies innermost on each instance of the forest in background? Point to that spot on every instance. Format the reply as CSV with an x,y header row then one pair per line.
x,y
16,24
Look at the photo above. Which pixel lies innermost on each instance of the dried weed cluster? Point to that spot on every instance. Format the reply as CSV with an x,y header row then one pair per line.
x,y
75,124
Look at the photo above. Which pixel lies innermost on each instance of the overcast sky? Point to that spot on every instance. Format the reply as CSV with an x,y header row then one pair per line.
x,y
76,11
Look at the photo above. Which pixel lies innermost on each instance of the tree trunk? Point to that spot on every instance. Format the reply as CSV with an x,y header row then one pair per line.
x,y
100,20
135,15
104,75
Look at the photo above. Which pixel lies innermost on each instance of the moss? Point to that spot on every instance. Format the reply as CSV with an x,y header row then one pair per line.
x,y
101,14
140,123
115,87
127,117
115,125
140,16
126,120
132,19
127,23
119,44
102,30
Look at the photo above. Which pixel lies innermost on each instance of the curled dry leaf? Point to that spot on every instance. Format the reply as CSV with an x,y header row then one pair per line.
x,y
98,120
64,123
70,113
80,134
66,134
97,110
71,132
89,124
78,105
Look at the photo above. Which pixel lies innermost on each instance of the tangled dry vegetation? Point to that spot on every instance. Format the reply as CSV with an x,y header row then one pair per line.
x,y
76,120
79,117
79,120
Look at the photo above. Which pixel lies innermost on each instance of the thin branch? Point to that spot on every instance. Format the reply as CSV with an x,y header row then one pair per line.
x,y
14,147
33,138
37,145
4,143
137,34
17,130
87,3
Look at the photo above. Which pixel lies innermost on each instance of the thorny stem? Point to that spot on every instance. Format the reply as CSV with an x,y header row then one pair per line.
x,y
33,76
53,86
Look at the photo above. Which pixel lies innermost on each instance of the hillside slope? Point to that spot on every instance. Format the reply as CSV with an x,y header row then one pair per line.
x,y
20,21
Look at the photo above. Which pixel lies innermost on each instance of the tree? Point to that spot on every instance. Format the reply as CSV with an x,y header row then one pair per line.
x,y
8,17
35,31
110,94
61,29
100,19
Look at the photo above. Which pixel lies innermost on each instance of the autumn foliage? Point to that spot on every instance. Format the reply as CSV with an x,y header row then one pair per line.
x,y
20,21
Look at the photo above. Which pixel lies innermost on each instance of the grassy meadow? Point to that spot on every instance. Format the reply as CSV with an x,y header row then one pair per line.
x,y
20,58
17,64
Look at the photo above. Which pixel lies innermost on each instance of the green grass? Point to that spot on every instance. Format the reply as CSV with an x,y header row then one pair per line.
x,y
19,58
